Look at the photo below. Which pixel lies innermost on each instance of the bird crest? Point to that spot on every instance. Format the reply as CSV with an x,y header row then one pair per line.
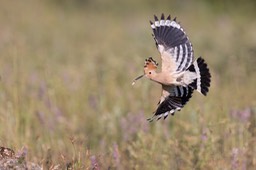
x,y
180,74
150,64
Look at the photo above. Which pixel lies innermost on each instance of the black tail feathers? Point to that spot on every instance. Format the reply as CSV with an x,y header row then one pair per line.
x,y
203,77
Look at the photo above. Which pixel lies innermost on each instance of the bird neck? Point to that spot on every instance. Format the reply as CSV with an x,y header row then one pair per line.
x,y
164,78
158,77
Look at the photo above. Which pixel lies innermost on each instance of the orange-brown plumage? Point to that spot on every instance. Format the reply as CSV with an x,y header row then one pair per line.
x,y
180,74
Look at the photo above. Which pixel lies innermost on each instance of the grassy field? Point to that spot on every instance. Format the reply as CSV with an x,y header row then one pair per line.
x,y
66,70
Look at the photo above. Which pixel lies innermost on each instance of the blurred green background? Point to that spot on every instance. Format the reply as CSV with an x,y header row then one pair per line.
x,y
66,69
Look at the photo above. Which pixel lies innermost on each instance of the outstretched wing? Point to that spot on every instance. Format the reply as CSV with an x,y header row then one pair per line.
x,y
173,44
173,99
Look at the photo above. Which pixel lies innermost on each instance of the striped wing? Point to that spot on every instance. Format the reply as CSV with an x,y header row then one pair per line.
x,y
173,99
173,44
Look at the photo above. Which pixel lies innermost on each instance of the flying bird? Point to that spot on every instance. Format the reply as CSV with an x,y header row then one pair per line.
x,y
180,74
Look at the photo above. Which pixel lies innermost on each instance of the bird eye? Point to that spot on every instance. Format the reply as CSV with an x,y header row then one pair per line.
x,y
149,72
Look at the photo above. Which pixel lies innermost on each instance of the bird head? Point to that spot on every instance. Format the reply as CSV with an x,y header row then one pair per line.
x,y
150,67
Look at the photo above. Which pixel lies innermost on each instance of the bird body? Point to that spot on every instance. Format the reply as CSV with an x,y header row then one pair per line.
x,y
180,74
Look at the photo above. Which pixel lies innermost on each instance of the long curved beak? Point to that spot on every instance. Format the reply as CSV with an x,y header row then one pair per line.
x,y
134,81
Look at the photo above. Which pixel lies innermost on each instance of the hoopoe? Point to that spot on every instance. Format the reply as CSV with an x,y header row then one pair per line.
x,y
180,74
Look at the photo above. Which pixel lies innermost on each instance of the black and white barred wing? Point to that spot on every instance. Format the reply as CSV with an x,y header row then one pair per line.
x,y
173,99
173,44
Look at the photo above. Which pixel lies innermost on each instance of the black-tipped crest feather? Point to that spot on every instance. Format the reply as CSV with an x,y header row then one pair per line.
x,y
172,41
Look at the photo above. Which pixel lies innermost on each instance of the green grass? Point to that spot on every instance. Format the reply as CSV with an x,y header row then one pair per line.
x,y
65,91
